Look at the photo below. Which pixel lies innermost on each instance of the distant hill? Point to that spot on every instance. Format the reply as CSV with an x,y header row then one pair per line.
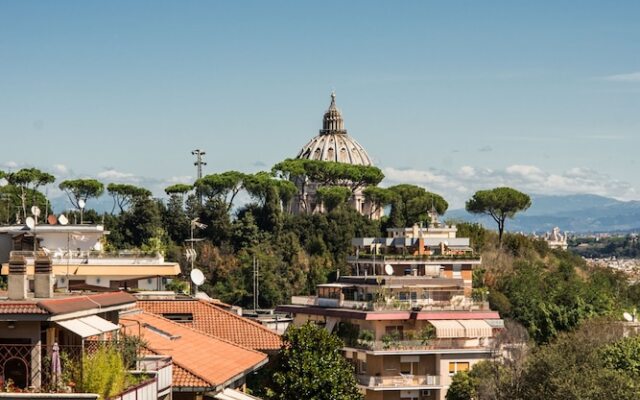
x,y
574,213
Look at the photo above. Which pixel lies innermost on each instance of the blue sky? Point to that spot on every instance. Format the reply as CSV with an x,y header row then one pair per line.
x,y
455,96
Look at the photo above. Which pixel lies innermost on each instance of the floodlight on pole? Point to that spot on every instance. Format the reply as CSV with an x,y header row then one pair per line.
x,y
199,163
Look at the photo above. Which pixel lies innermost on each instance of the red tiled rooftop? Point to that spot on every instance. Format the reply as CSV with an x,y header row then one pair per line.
x,y
216,321
20,308
81,303
213,360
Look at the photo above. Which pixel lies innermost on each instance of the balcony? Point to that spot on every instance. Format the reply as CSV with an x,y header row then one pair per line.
x,y
28,372
435,345
64,257
465,304
409,258
399,382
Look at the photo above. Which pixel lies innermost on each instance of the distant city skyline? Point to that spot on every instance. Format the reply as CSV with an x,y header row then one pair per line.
x,y
542,96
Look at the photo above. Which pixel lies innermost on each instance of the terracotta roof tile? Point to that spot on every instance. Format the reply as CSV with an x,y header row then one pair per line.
x,y
214,320
21,308
209,359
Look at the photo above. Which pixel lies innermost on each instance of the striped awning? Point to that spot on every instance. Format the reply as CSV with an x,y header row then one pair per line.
x,y
461,328
447,328
476,328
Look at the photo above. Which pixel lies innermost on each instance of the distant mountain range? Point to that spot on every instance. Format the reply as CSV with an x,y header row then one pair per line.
x,y
573,213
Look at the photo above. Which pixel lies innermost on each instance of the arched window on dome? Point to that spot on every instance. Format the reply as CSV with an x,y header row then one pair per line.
x,y
331,154
317,155
344,156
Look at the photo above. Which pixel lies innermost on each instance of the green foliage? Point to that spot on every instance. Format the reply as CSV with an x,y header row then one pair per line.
x,y
27,181
333,196
81,189
410,204
379,197
178,188
349,333
104,372
462,387
476,233
124,194
328,173
223,187
500,203
11,203
623,355
312,367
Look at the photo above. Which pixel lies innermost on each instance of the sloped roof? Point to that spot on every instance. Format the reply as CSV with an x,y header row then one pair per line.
x,y
21,308
198,357
65,304
216,321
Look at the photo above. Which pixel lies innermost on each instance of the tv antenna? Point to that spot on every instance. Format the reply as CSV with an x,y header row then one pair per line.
x,y
191,253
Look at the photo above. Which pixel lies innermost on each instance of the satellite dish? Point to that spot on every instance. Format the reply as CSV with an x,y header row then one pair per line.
x,y
63,220
35,210
388,269
31,223
197,277
97,246
628,316
81,203
52,219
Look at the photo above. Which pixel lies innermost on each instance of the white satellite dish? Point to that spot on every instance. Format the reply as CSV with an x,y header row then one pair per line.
x,y
388,269
97,246
197,277
81,203
628,316
31,223
62,220
35,211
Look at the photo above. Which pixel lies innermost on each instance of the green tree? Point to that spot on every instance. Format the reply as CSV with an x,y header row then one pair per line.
x,y
333,196
378,197
81,189
223,187
123,194
412,203
28,180
462,387
500,203
178,188
312,367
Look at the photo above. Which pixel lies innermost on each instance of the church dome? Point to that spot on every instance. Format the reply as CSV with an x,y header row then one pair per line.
x,y
333,143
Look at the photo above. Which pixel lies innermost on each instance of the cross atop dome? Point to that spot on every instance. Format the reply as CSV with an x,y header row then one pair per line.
x,y
332,122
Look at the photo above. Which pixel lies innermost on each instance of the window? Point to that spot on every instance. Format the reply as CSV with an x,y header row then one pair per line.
x,y
457,270
458,366
179,317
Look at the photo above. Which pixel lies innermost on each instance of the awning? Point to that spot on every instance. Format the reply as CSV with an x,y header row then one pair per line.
x,y
476,328
88,326
230,394
447,328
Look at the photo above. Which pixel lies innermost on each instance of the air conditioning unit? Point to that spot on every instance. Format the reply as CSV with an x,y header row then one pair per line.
x,y
425,392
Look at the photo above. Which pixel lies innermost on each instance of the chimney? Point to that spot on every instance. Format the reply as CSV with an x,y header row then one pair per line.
x,y
43,277
17,279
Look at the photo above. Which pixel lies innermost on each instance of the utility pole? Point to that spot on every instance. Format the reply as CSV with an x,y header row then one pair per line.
x,y
199,163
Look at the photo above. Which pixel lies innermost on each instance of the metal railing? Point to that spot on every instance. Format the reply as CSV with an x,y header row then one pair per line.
x,y
432,344
400,380
64,256
466,304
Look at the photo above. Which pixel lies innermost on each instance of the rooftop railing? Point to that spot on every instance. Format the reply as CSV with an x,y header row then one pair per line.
x,y
465,304
89,257
410,257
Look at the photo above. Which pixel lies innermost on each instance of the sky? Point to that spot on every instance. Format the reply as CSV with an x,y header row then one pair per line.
x,y
455,96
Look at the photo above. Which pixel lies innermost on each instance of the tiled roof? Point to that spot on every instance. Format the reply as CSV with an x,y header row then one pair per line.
x,y
81,303
199,359
20,308
215,321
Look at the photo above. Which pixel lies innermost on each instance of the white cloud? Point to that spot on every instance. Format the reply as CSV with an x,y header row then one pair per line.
x,y
112,174
458,186
630,77
61,169
10,164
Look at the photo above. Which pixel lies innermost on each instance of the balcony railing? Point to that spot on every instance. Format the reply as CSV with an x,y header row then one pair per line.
x,y
31,367
399,381
63,256
465,304
432,344
381,258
